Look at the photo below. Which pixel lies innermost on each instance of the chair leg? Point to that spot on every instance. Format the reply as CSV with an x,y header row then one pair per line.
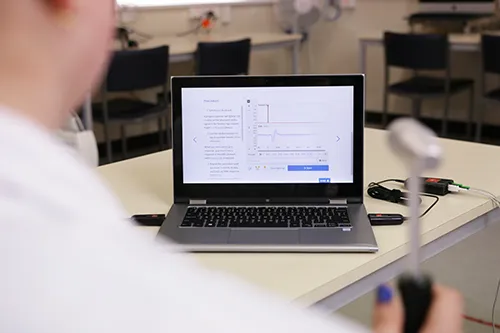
x,y
109,150
471,112
160,132
444,125
416,107
419,108
385,108
479,121
124,141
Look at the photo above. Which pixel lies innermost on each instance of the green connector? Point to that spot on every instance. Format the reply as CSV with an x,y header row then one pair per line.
x,y
462,186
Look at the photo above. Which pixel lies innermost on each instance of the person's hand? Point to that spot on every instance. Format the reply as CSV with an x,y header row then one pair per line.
x,y
445,314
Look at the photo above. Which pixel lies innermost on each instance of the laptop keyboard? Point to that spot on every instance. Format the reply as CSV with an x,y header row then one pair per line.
x,y
266,217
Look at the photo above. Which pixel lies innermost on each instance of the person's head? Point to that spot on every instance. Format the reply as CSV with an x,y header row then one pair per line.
x,y
53,53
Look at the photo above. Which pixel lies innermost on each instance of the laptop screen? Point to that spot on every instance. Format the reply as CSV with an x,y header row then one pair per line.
x,y
268,135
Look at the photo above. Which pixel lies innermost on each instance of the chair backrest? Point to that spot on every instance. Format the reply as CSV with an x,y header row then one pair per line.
x,y
416,51
491,53
138,69
227,58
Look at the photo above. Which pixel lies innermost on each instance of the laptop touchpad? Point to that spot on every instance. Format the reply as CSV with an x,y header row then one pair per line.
x,y
264,237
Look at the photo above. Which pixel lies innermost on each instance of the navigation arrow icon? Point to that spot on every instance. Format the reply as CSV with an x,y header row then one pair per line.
x,y
338,138
194,139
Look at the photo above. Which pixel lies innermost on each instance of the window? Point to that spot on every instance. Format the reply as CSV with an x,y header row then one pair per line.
x,y
168,3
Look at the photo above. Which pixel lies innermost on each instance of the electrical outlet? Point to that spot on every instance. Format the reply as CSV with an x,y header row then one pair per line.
x,y
127,15
225,14
199,11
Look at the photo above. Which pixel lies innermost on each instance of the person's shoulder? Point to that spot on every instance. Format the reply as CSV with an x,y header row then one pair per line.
x,y
43,172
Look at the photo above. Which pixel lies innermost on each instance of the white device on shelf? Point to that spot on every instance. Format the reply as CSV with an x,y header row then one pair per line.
x,y
299,16
127,13
82,140
457,6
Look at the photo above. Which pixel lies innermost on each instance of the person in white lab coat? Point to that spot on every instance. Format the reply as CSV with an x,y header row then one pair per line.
x,y
70,259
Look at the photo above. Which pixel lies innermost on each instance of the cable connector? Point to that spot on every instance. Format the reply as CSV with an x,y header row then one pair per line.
x,y
454,188
477,191
462,186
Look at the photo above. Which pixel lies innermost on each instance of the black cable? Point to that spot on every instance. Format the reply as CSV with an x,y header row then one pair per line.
x,y
387,181
192,31
436,200
377,191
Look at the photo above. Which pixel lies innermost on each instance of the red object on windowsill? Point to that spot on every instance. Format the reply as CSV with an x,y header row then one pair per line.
x,y
206,23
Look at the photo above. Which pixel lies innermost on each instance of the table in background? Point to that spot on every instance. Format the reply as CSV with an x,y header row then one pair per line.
x,y
430,18
458,42
183,49
144,186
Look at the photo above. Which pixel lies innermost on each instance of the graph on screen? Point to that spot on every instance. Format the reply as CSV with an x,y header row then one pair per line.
x,y
284,136
296,113
288,126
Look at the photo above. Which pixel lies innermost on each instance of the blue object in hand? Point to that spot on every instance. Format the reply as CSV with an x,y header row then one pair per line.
x,y
384,294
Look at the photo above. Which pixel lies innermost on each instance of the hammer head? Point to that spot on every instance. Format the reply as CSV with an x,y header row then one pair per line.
x,y
414,143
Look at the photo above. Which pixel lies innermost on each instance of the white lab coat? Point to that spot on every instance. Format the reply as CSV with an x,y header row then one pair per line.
x,y
71,261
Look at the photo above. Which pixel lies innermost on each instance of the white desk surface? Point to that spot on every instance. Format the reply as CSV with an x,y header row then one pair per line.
x,y
144,186
455,39
188,44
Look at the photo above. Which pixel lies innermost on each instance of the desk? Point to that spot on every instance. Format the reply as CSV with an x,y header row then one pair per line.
x,y
144,185
183,49
431,17
458,42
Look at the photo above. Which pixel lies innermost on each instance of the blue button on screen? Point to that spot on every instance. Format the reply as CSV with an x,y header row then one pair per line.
x,y
324,180
308,168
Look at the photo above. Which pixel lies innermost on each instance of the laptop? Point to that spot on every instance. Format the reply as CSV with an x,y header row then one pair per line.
x,y
268,164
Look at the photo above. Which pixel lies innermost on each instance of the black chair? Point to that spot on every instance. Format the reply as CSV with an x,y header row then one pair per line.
x,y
423,52
129,71
226,58
491,65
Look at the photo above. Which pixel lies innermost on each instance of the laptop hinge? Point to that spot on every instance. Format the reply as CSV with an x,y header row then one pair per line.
x,y
338,201
197,202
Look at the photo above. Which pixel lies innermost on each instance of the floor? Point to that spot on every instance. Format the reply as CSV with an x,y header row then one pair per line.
x,y
472,267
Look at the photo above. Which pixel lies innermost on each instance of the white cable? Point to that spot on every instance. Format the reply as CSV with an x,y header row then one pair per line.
x,y
494,307
483,191
486,194
489,195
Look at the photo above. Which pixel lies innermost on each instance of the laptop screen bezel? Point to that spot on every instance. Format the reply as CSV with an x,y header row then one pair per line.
x,y
233,192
